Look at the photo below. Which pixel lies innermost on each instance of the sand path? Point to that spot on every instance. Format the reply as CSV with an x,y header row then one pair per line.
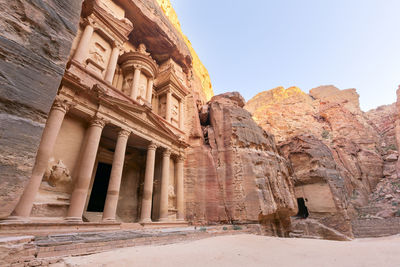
x,y
253,250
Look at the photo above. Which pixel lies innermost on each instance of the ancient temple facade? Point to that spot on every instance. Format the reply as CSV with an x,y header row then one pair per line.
x,y
113,147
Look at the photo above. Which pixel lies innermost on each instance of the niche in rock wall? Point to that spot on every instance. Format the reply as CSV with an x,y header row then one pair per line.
x,y
99,54
319,197
127,83
142,86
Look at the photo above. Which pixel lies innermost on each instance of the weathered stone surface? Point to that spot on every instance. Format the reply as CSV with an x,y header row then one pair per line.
x,y
313,164
358,146
156,31
35,40
239,174
334,117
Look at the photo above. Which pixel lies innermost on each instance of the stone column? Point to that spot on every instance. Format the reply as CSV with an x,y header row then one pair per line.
x,y
135,83
46,147
110,206
145,216
180,189
168,107
85,170
181,115
149,92
164,186
112,64
83,46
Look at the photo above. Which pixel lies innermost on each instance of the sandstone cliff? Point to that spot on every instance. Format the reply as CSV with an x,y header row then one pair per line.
x,y
237,174
357,148
36,38
334,117
198,67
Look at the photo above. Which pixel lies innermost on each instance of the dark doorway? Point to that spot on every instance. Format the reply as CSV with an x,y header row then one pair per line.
x,y
303,211
100,186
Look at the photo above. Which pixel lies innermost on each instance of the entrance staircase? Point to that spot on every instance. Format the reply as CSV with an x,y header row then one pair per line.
x,y
375,227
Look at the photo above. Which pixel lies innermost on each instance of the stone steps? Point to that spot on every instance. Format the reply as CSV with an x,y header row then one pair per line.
x,y
42,250
364,228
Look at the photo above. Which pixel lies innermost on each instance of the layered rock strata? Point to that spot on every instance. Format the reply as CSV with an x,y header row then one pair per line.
x,y
35,41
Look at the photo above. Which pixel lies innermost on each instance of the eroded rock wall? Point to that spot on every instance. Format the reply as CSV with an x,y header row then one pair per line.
x,y
333,116
35,41
240,174
319,181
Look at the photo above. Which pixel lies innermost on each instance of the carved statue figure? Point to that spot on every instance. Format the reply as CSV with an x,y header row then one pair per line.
x,y
96,53
171,197
57,174
142,49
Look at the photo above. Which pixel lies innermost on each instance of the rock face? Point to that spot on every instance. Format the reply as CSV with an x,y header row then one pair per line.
x,y
334,117
318,180
36,38
328,138
238,175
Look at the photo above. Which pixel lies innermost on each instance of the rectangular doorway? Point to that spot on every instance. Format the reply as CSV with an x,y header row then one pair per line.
x,y
100,187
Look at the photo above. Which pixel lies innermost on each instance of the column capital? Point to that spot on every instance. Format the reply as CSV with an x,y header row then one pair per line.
x,y
61,104
166,152
152,146
97,121
137,67
180,158
124,133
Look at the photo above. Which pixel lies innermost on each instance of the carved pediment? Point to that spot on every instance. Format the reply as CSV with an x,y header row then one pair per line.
x,y
138,114
120,27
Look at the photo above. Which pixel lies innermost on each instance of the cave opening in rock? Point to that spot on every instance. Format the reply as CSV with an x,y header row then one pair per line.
x,y
303,210
100,186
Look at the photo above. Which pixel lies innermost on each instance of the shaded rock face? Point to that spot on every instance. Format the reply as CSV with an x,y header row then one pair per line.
x,y
238,175
35,41
384,202
319,181
332,116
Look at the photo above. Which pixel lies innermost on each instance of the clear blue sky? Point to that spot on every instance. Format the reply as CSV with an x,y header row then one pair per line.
x,y
256,45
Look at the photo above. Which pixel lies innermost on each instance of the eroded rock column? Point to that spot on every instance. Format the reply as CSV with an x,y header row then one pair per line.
x,y
46,147
110,206
149,92
145,216
135,83
180,188
112,64
83,46
164,186
85,170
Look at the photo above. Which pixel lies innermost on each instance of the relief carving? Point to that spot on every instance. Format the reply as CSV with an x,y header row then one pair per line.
x,y
142,49
96,53
175,109
57,174
171,197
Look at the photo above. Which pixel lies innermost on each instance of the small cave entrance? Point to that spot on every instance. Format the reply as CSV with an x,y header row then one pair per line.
x,y
100,186
303,210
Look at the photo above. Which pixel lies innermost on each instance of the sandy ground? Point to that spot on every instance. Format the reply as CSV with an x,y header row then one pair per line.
x,y
253,250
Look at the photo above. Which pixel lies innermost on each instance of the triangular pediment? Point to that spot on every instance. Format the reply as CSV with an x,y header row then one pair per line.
x,y
138,113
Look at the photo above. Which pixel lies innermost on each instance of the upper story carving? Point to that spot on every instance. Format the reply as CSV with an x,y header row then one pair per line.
x,y
105,50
